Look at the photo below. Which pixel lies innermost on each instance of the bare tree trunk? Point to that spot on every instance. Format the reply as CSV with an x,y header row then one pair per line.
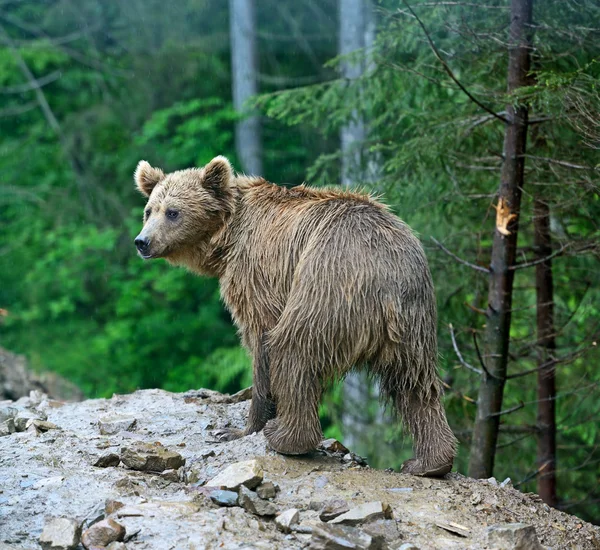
x,y
546,417
353,32
244,69
356,32
497,332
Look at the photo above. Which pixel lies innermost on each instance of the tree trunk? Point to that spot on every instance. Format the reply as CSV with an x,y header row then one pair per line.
x,y
356,32
497,332
244,69
353,32
546,418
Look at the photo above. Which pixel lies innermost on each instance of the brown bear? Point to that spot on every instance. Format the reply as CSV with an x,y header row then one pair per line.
x,y
319,282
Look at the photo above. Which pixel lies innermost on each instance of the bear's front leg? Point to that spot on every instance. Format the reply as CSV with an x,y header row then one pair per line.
x,y
262,407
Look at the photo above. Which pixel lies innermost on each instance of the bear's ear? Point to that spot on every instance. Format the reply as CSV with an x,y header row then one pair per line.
x,y
217,174
147,177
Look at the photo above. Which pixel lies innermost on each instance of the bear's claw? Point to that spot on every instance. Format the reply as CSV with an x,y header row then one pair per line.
x,y
227,434
415,467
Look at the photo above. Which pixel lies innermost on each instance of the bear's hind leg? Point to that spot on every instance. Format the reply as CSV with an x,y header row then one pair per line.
x,y
297,390
434,443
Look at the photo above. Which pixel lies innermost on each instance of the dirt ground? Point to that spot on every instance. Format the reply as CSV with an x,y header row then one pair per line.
x,y
52,473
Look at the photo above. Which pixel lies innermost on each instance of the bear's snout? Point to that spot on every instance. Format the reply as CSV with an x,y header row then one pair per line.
x,y
142,244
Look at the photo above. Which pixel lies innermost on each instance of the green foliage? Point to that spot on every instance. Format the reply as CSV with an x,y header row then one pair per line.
x,y
192,130
80,301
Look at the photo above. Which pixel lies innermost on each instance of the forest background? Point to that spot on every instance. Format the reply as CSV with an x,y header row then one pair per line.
x,y
477,122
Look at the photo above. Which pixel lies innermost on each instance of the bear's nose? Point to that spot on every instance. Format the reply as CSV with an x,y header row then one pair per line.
x,y
142,244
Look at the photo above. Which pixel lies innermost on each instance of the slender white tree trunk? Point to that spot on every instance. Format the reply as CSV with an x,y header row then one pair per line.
x,y
352,34
357,32
244,69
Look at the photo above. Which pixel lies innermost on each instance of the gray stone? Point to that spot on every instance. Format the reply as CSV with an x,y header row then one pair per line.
x,y
23,418
41,425
111,506
267,490
248,473
108,460
513,536
148,457
506,483
242,395
408,546
116,546
101,534
224,498
251,502
60,534
389,529
111,425
7,413
7,427
369,511
334,446
287,520
170,475
342,537
332,509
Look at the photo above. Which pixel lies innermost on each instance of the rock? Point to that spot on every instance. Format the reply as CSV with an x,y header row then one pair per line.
x,y
506,483
116,546
52,475
7,427
287,520
408,546
334,446
389,529
351,457
251,502
476,498
101,534
242,395
48,483
513,536
454,528
7,413
170,475
148,457
267,490
15,380
108,460
332,509
365,512
60,534
41,425
111,506
248,473
342,537
24,418
111,425
224,498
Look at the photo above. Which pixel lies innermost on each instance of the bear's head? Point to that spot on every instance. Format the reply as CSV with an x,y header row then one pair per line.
x,y
184,211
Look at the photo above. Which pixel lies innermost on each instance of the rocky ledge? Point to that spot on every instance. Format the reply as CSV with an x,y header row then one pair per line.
x,y
141,471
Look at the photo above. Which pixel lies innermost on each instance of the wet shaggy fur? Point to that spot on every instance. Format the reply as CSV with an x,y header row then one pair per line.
x,y
319,282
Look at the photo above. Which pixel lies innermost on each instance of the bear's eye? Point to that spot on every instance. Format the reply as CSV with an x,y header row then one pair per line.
x,y
172,214
147,213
